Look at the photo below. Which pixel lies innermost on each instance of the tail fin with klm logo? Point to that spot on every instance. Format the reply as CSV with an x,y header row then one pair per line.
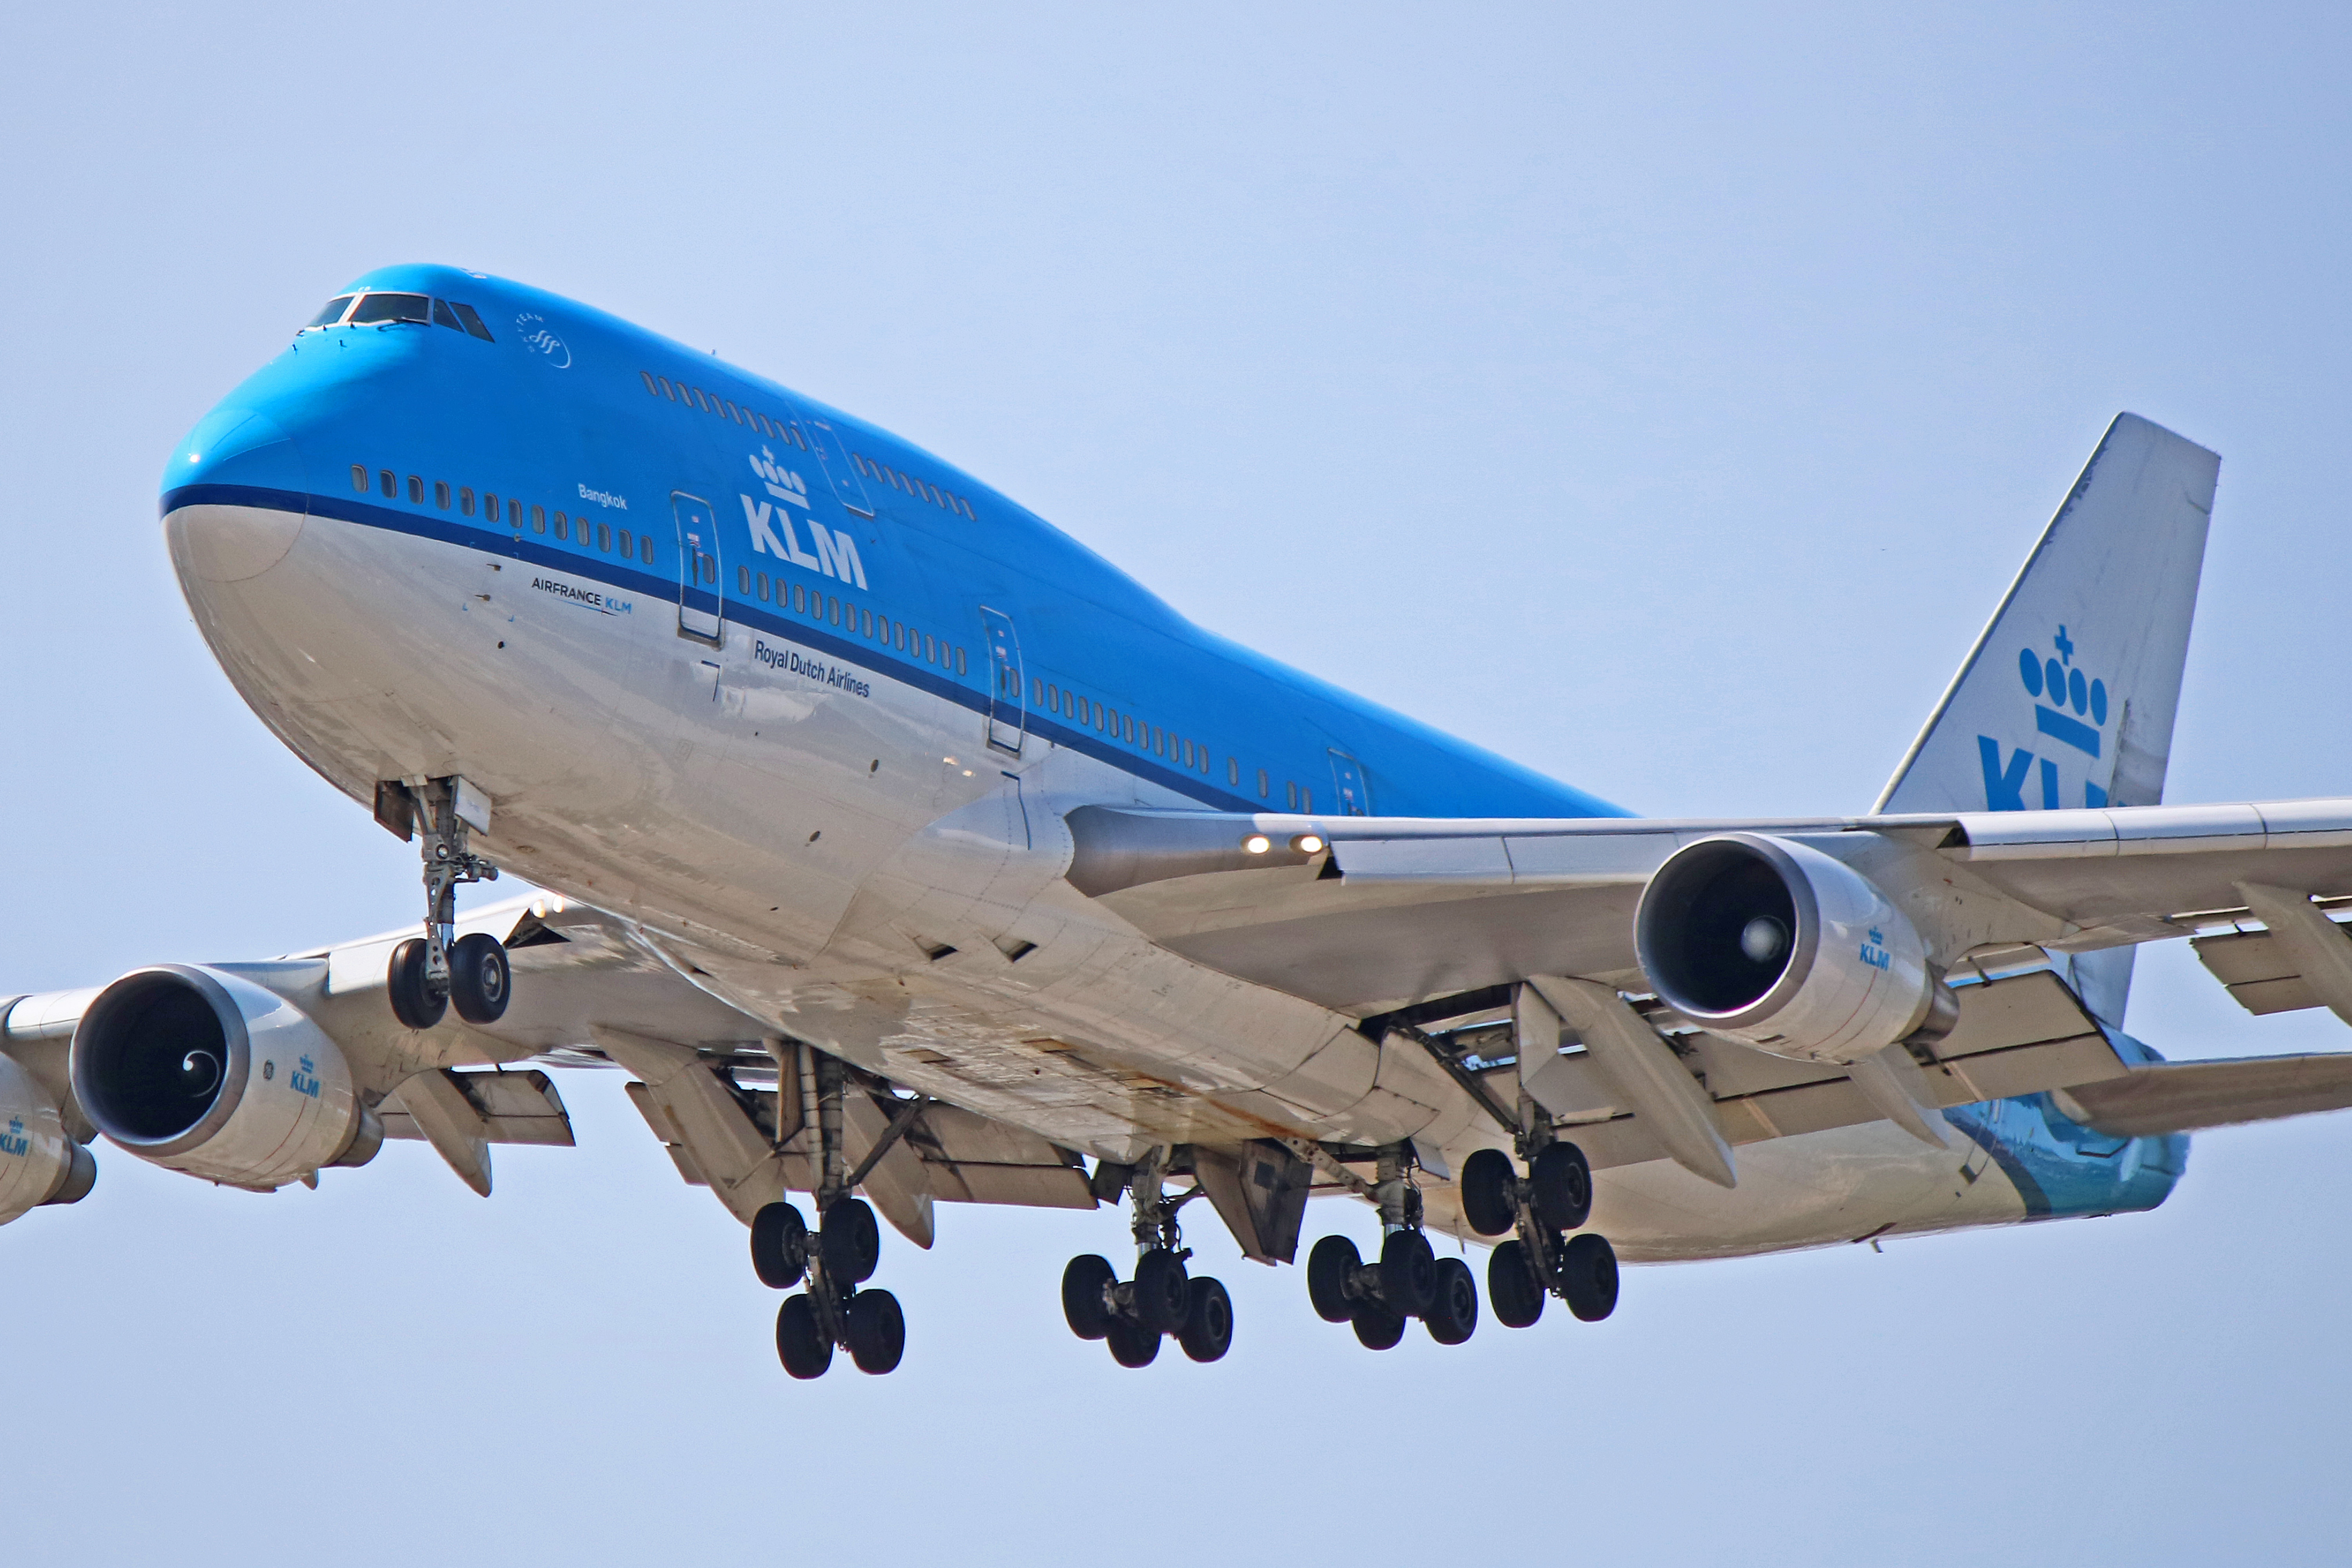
x,y
2068,696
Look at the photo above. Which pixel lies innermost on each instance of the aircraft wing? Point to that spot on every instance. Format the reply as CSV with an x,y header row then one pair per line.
x,y
1389,912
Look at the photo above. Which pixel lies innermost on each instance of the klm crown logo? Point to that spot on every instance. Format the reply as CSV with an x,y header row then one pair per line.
x,y
781,482
1873,951
305,1078
2071,709
15,1142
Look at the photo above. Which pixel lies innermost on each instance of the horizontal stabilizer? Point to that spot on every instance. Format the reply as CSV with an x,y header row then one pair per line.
x,y
2182,1097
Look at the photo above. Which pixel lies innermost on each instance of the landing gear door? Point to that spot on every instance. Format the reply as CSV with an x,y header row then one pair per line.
x,y
1008,715
698,606
1348,778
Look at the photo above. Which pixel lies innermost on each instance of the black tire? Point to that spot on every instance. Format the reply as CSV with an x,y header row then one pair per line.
x,y
1162,1292
1377,1327
779,1246
1208,1330
1132,1344
1329,1266
1454,1316
877,1331
1588,1277
404,983
851,1242
1085,1305
801,1343
1408,1272
1563,1185
479,980
1511,1288
1489,1203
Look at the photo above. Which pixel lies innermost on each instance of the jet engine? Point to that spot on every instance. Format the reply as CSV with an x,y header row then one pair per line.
x,y
39,1161
1773,943
203,1071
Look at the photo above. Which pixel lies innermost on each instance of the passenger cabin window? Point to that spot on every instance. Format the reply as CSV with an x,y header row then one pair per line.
x,y
359,482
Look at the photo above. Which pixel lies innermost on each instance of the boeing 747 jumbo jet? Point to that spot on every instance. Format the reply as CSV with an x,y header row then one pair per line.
x,y
895,845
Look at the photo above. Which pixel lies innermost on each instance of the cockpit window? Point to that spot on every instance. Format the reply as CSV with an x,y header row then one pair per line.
x,y
390,308
472,322
442,318
328,313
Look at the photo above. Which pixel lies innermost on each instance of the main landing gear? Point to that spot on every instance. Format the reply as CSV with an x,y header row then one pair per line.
x,y
1408,1280
840,1257
1163,1300
428,973
1554,1198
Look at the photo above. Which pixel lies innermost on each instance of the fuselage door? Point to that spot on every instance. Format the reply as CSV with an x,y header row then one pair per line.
x,y
839,467
1008,715
1348,779
698,606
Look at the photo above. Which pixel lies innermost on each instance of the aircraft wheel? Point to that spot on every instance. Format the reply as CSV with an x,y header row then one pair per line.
x,y
404,983
1086,1283
1163,1295
1132,1344
1511,1287
779,1246
850,1241
1377,1327
877,1331
481,983
1208,1330
801,1343
1329,1266
1563,1185
1487,1202
1453,1317
1588,1270
1408,1272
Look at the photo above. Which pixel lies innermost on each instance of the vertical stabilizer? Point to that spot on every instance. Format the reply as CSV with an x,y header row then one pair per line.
x,y
2068,698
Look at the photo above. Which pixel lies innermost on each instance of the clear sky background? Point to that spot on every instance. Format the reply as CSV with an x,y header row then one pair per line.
x,y
1662,399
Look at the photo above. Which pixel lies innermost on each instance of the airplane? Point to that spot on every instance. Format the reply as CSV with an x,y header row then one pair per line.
x,y
902,851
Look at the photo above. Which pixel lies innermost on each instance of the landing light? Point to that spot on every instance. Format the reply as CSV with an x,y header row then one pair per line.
x,y
1257,844
1307,843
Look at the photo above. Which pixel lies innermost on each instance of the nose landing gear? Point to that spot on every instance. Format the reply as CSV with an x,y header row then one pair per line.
x,y
832,1311
1163,1300
428,973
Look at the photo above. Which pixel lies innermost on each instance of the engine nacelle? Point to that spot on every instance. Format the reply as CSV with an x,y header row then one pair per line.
x,y
203,1071
1775,944
39,1161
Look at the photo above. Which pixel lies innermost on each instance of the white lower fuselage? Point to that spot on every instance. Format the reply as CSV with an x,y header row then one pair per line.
x,y
809,835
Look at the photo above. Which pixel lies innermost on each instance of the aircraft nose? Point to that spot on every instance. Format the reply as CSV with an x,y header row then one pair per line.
x,y
233,496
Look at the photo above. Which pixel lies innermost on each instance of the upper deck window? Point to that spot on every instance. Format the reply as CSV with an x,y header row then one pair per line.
x,y
414,308
330,312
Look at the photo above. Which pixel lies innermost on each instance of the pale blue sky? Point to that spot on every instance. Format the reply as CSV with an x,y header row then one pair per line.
x,y
1661,400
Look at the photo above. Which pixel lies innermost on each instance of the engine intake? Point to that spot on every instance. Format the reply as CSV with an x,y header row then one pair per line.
x,y
1773,943
203,1071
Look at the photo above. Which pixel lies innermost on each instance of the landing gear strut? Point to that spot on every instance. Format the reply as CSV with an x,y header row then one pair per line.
x,y
1554,1198
847,1248
1163,1300
1409,1280
429,972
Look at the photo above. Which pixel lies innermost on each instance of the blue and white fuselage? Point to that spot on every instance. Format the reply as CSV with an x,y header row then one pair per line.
x,y
813,705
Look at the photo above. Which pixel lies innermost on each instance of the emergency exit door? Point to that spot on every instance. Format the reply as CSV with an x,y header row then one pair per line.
x,y
1008,714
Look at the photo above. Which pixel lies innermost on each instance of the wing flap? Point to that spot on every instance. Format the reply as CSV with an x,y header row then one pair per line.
x,y
2184,1097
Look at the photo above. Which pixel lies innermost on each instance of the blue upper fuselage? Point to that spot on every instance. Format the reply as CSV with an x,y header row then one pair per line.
x,y
609,453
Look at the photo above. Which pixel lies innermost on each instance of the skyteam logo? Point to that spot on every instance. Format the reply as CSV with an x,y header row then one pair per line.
x,y
14,1142
536,334
2070,708
780,482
